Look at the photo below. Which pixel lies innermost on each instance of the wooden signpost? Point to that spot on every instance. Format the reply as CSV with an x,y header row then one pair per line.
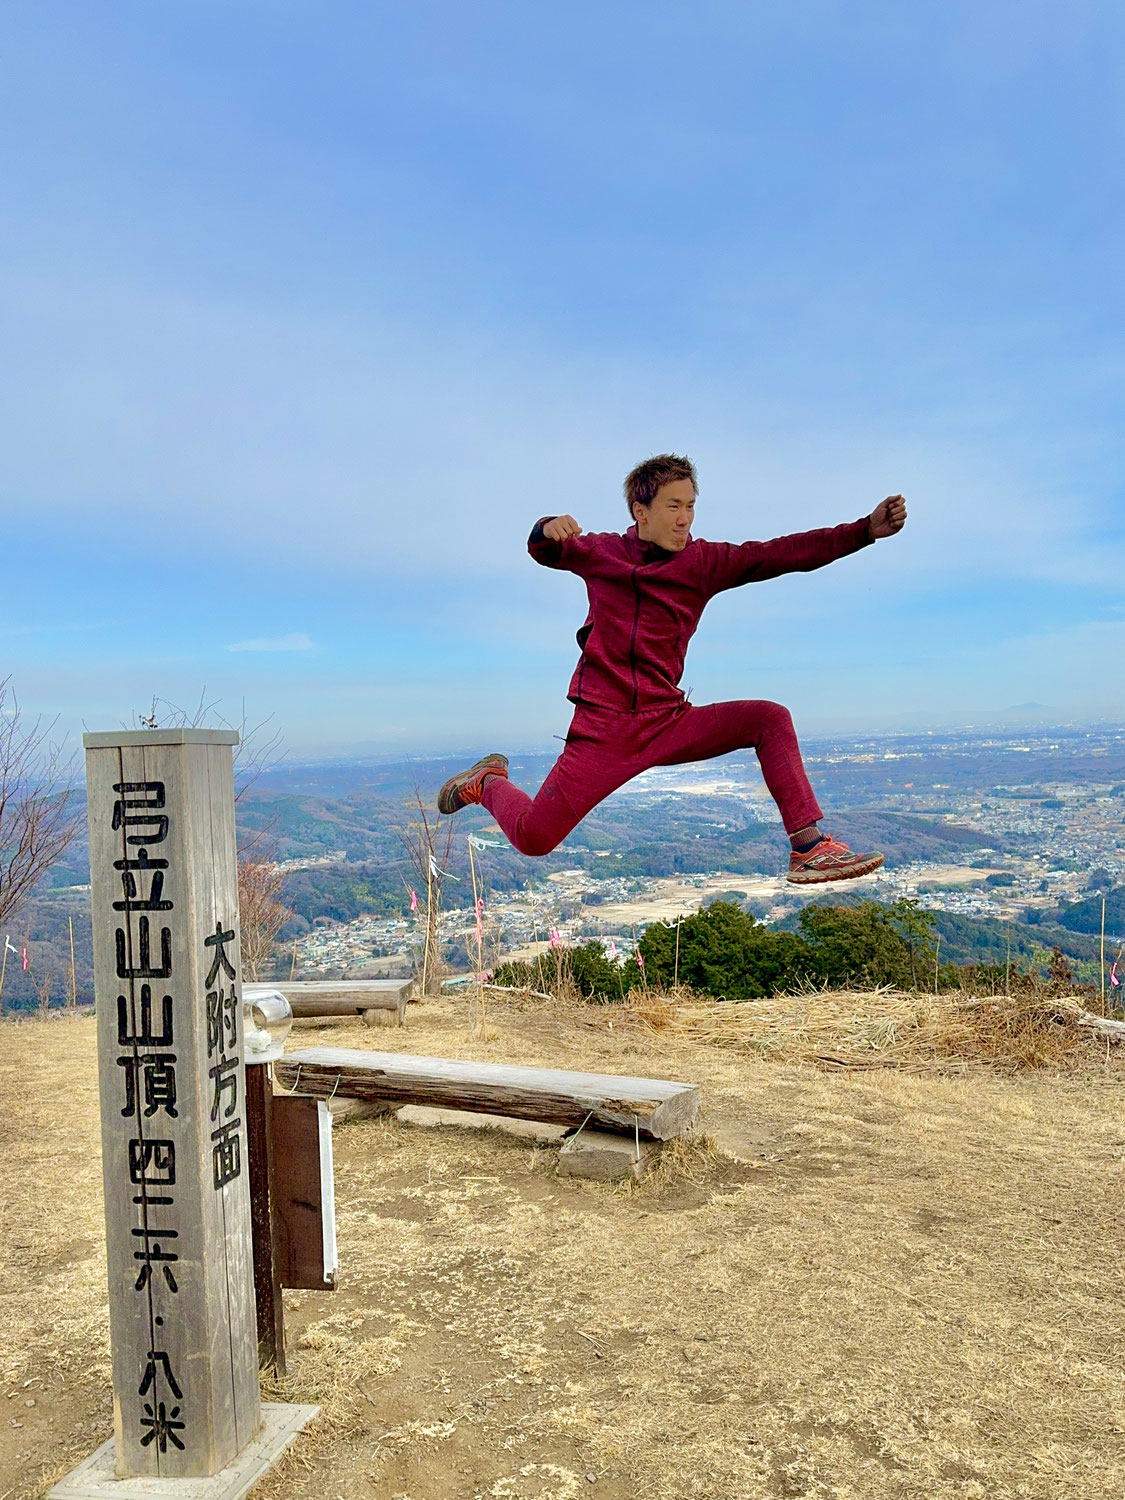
x,y
172,1076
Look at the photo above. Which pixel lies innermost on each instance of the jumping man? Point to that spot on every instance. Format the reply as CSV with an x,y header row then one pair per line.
x,y
648,589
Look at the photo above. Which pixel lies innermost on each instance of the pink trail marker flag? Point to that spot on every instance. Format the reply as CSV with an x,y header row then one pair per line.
x,y
556,939
612,949
25,959
1113,979
640,961
413,900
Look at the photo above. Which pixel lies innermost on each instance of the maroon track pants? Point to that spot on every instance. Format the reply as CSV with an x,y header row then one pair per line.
x,y
605,749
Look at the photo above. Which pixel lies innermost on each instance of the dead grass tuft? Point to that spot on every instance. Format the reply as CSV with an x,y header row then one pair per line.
x,y
1025,1031
684,1159
657,1011
886,1028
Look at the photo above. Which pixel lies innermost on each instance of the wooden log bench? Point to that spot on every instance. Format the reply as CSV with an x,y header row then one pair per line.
x,y
317,999
648,1107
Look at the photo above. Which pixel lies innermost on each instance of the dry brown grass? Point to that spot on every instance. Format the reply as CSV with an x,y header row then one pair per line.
x,y
886,1029
869,1285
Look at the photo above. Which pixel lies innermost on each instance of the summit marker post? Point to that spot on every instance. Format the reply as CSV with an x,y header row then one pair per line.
x,y
172,1080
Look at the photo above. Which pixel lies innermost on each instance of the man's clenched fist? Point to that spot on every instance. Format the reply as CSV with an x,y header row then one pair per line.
x,y
888,517
561,529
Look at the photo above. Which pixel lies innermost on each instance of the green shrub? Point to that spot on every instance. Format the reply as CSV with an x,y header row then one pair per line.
x,y
869,944
722,952
585,969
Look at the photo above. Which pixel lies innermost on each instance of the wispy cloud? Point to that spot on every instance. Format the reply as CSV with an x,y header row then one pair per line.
x,y
298,641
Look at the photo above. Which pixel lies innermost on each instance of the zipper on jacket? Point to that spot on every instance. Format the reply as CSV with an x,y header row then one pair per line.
x,y
633,638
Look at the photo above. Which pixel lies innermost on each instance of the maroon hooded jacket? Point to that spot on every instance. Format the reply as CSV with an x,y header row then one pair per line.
x,y
645,603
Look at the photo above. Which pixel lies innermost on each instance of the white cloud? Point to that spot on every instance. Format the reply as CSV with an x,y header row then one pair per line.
x,y
298,641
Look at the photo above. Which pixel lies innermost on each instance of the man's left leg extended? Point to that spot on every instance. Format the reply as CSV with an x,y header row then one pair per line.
x,y
599,756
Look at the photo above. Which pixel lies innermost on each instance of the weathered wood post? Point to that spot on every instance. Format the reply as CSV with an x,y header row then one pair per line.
x,y
171,1066
268,1019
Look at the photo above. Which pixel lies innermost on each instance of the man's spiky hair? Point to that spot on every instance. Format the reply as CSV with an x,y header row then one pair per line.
x,y
642,483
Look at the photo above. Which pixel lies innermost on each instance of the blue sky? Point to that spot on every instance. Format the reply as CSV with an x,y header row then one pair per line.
x,y
309,311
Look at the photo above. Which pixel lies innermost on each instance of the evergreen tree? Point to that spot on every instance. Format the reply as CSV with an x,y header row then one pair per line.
x,y
858,946
723,952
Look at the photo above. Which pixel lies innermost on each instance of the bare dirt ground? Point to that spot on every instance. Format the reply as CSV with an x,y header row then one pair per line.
x,y
875,1286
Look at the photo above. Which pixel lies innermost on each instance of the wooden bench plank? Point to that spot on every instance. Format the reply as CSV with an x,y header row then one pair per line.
x,y
654,1107
315,998
304,1007
341,987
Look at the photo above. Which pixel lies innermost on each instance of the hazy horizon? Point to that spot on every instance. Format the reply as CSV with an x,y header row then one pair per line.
x,y
1005,725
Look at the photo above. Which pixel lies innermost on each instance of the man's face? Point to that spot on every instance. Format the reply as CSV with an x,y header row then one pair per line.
x,y
667,521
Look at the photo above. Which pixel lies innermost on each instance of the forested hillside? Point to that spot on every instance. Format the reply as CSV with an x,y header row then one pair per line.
x,y
1086,915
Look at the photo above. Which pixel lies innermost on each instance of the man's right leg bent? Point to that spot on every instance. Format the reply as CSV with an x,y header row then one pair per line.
x,y
718,728
589,769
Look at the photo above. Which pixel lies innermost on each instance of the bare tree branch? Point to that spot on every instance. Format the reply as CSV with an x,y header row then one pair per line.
x,y
422,839
256,751
259,879
261,913
39,812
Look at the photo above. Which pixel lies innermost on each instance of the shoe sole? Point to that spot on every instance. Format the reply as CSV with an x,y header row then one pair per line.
x,y
822,877
497,763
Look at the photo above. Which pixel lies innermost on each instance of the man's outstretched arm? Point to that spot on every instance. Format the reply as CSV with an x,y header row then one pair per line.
x,y
557,542
753,562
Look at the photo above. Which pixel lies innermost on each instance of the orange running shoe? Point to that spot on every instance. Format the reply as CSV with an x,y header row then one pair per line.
x,y
465,788
829,860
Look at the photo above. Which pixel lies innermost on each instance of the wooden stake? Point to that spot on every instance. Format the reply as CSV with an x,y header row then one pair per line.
x,y
1101,964
534,921
676,970
477,919
1008,965
3,971
429,923
433,919
73,975
937,955
639,957
293,961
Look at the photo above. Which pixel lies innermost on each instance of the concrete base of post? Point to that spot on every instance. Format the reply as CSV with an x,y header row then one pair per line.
x,y
96,1479
606,1157
359,1109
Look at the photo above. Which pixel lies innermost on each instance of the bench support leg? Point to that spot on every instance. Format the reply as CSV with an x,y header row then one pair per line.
x,y
267,1283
